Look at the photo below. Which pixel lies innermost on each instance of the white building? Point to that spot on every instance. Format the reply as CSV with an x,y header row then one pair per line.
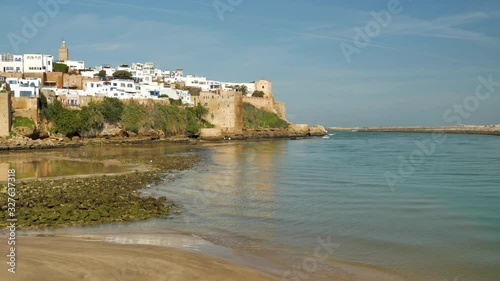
x,y
89,73
108,68
130,89
149,68
29,87
37,63
185,97
229,86
124,67
73,64
200,82
11,63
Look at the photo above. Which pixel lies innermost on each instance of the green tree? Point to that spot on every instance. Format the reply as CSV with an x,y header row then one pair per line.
x,y
170,119
102,75
111,109
91,120
43,105
258,94
60,67
175,102
135,116
244,90
258,118
122,74
200,111
50,112
193,125
67,122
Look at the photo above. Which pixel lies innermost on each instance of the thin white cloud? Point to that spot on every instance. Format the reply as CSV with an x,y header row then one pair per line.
x,y
155,8
445,28
105,46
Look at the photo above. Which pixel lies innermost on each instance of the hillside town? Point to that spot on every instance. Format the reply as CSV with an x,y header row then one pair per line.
x,y
75,85
31,74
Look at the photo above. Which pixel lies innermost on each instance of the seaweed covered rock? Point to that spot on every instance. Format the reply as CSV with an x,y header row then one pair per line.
x,y
93,200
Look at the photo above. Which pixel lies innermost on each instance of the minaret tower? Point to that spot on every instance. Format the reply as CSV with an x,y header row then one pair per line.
x,y
63,52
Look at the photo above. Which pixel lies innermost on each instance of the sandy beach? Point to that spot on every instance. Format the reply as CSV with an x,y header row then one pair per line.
x,y
54,259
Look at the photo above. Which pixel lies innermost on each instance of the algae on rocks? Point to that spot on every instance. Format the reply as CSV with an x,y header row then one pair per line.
x,y
92,200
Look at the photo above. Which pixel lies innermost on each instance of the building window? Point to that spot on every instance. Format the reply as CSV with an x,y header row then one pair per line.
x,y
122,85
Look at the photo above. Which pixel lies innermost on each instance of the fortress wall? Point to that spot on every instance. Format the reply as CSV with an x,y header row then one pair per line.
x,y
266,104
211,134
280,109
56,77
11,74
73,81
26,107
225,111
5,114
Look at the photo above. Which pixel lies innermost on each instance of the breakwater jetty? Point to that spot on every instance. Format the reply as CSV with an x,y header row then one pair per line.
x,y
465,129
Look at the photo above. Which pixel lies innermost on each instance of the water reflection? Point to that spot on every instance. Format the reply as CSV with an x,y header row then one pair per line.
x,y
235,190
87,160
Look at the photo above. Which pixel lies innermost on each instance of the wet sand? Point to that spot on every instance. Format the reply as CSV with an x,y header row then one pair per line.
x,y
62,259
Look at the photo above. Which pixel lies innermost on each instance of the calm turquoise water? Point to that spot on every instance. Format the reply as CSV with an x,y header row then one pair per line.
x,y
276,199
442,222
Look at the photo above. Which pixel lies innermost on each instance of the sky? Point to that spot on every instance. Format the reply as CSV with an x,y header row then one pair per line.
x,y
335,63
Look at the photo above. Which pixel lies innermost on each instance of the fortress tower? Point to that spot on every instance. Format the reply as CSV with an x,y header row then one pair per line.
x,y
266,87
63,52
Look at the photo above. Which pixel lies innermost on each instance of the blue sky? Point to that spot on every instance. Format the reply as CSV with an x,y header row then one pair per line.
x,y
423,62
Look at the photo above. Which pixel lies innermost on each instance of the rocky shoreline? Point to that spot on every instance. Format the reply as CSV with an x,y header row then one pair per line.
x,y
466,129
94,199
292,132
27,143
